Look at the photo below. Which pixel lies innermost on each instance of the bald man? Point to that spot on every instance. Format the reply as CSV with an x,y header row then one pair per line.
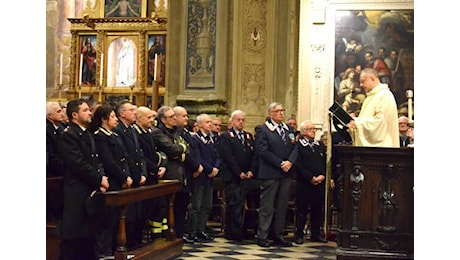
x,y
377,123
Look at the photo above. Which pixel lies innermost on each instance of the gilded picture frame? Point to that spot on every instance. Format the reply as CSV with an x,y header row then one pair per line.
x,y
156,44
382,39
124,8
87,60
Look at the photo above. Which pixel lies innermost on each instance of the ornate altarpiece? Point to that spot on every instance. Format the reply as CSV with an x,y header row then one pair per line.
x,y
117,39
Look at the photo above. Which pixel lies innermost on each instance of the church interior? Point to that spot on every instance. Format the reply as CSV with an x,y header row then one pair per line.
x,y
216,56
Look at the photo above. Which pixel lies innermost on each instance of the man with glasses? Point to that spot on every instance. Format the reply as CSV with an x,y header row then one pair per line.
x,y
403,122
126,113
311,172
275,146
168,139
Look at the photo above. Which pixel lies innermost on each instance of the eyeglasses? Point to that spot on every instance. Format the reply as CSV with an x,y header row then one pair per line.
x,y
278,111
309,129
171,116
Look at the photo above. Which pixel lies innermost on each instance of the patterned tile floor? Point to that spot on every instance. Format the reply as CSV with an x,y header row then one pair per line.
x,y
222,248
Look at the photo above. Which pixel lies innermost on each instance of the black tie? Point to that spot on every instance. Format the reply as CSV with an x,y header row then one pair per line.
x,y
241,134
310,142
281,132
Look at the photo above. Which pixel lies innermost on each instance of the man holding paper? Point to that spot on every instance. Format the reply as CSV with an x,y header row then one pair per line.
x,y
377,123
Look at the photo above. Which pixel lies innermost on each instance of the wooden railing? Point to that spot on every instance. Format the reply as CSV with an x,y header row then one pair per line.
x,y
162,248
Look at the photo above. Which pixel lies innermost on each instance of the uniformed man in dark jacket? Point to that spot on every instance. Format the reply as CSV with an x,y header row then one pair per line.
x,y
83,175
236,148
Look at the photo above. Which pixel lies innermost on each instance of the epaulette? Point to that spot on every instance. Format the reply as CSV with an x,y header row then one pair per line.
x,y
138,129
106,132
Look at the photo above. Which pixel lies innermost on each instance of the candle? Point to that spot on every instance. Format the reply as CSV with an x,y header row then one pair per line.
x,y
60,70
409,95
155,68
81,68
102,69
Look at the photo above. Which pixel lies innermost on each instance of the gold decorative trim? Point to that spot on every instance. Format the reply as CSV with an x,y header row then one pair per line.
x,y
121,23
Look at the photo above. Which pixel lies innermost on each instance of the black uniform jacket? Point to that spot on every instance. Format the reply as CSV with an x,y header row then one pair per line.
x,y
113,155
236,156
83,174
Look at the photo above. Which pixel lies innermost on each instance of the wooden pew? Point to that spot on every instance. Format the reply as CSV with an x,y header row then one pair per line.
x,y
163,248
160,248
52,239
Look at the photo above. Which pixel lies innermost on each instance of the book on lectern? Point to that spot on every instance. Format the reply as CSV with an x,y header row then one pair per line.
x,y
340,114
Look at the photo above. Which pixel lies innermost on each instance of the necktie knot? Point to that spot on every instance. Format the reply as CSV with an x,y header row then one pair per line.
x,y
281,132
241,136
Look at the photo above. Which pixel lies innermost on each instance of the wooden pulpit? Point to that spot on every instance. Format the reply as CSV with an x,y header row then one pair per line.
x,y
376,198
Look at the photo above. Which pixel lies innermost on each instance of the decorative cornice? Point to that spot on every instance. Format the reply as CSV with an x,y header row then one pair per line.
x,y
121,23
119,20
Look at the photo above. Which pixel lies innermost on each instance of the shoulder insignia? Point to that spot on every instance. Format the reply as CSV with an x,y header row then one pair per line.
x,y
138,129
231,134
106,132
270,126
248,136
303,142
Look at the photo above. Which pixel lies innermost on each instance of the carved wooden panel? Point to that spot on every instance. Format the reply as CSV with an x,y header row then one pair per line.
x,y
377,202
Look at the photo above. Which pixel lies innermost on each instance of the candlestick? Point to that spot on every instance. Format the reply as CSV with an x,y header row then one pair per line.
x,y
102,69
155,85
60,70
81,66
409,95
59,94
132,93
100,94
155,68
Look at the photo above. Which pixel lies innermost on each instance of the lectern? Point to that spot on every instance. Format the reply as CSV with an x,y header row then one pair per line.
x,y
376,196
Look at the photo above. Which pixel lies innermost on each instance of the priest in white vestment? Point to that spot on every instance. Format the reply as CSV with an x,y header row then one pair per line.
x,y
377,123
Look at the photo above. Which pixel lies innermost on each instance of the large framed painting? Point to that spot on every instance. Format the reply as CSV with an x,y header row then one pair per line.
x,y
125,8
380,39
87,60
122,61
